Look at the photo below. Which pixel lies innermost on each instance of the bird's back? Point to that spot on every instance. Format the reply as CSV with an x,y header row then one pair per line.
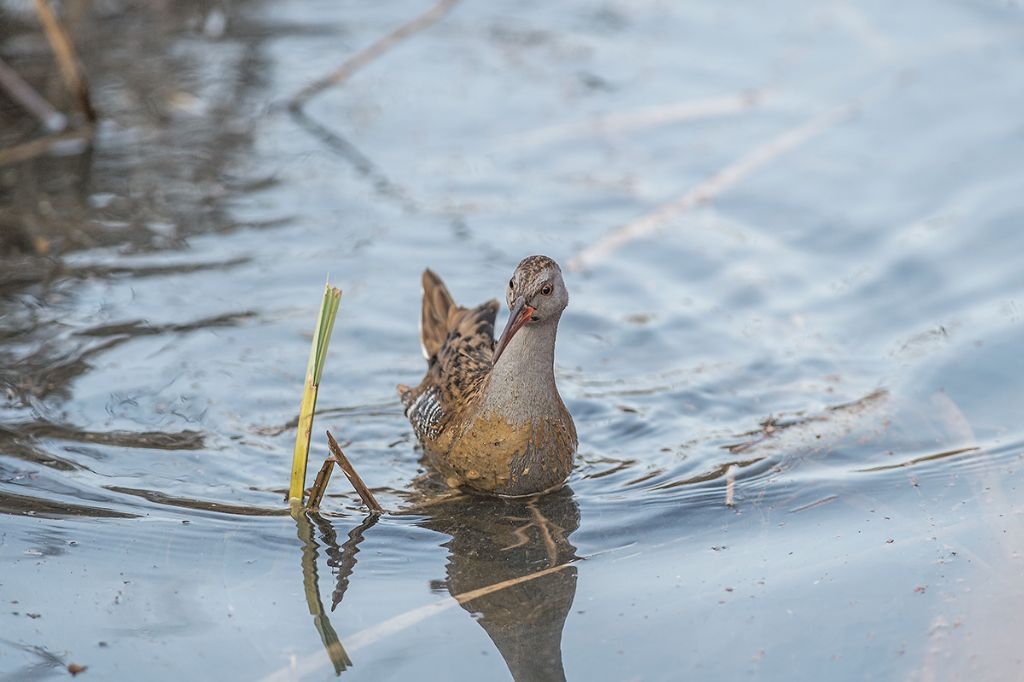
x,y
459,345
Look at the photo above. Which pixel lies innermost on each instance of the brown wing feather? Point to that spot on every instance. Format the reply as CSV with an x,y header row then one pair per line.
x,y
459,343
466,356
437,306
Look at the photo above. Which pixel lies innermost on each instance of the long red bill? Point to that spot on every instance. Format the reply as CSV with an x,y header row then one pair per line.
x,y
520,315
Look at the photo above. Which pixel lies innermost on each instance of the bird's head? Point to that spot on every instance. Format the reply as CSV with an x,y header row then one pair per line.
x,y
536,295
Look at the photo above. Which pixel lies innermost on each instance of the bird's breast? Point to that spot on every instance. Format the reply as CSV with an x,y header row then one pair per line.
x,y
510,457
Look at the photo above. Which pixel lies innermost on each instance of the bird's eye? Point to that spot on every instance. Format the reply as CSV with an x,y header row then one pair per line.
x,y
511,284
546,290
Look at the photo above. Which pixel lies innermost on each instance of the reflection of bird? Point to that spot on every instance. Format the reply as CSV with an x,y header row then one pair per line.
x,y
489,416
502,542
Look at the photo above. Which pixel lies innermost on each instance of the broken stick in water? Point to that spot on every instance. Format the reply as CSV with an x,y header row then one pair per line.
x,y
368,499
323,477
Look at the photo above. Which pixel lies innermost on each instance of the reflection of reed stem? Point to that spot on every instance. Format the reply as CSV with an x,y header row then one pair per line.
x,y
310,582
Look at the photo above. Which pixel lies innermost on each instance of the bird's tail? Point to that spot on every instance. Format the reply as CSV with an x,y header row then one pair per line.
x,y
437,306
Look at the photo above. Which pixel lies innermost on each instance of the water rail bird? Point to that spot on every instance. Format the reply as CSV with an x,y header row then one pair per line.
x,y
487,413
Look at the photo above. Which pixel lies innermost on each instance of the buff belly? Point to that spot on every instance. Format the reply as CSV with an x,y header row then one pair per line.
x,y
491,455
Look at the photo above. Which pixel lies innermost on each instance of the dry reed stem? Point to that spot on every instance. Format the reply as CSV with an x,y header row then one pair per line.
x,y
323,477
721,181
30,150
646,117
730,485
403,621
367,55
364,493
30,100
64,51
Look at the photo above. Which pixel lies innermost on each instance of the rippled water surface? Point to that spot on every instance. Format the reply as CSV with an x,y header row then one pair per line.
x,y
792,239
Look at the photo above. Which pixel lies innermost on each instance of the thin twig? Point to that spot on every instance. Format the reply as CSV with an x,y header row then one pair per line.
x,y
39,146
30,100
721,181
828,499
646,117
368,499
367,55
64,51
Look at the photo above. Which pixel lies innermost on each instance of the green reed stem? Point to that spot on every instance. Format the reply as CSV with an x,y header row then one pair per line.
x,y
314,370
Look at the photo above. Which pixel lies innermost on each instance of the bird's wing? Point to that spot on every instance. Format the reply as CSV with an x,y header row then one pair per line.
x,y
459,344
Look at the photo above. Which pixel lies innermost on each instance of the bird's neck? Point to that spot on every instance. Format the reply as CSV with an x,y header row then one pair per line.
x,y
522,384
